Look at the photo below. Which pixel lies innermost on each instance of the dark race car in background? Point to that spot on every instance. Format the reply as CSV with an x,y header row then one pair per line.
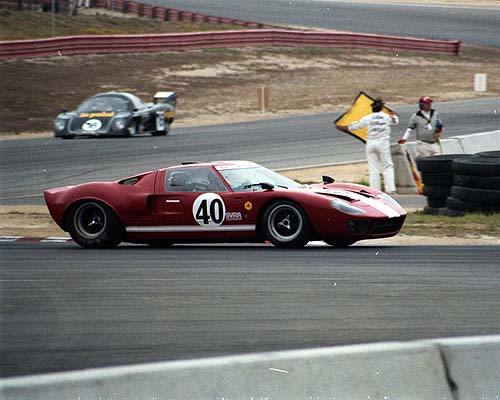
x,y
118,114
230,201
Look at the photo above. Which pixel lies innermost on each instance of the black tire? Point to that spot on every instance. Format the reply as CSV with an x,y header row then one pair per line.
x,y
94,225
462,205
436,202
477,166
436,192
285,224
340,243
163,132
437,178
448,212
478,182
490,154
441,163
431,210
481,196
68,137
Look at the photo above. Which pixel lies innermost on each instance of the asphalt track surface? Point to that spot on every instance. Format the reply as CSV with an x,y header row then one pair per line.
x,y
65,308
29,166
477,26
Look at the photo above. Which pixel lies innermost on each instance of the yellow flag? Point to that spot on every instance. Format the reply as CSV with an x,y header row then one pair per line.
x,y
361,106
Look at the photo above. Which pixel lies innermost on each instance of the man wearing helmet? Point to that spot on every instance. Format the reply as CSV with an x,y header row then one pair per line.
x,y
378,148
427,125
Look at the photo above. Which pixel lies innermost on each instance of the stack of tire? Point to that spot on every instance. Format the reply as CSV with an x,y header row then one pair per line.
x,y
437,176
459,183
476,184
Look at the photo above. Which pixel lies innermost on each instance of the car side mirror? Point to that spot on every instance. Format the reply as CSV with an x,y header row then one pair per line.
x,y
327,179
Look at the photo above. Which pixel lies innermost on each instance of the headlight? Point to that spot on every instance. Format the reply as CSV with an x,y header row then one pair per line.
x,y
346,208
119,124
389,199
60,124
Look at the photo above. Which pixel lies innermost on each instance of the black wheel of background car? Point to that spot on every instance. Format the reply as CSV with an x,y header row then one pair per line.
x,y
437,178
436,202
436,192
95,225
159,133
463,205
441,163
477,165
339,242
478,182
285,224
68,137
482,196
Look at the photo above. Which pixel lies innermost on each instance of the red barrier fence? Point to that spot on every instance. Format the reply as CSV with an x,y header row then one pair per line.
x,y
72,45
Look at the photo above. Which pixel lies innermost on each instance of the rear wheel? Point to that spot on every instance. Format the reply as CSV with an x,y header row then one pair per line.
x,y
95,225
285,224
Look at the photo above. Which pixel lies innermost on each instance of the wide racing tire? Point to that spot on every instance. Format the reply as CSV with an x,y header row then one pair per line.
x,y
285,224
434,164
95,225
163,132
437,178
477,165
481,196
436,192
478,182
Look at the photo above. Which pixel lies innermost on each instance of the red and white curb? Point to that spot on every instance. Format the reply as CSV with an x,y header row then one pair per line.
x,y
27,239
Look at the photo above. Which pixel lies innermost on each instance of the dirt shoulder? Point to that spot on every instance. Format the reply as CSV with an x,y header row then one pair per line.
x,y
220,85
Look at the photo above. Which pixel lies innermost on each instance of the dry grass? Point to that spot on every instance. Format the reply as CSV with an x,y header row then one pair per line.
x,y
218,85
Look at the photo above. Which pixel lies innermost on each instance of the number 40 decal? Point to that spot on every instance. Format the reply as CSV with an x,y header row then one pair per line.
x,y
209,210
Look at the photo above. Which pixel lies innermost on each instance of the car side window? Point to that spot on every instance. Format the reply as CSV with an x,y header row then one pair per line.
x,y
201,179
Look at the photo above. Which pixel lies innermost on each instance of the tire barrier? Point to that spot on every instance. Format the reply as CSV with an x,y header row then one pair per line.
x,y
104,44
437,176
456,184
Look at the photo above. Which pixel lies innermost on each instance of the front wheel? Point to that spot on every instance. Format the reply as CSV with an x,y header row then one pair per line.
x,y
164,132
285,224
95,225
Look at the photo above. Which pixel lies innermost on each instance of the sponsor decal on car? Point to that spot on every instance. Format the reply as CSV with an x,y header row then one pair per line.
x,y
92,125
103,114
233,216
248,205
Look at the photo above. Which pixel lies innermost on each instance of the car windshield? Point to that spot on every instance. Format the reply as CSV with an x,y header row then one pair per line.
x,y
249,178
105,103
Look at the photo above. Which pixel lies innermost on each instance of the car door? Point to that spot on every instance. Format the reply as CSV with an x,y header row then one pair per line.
x,y
194,203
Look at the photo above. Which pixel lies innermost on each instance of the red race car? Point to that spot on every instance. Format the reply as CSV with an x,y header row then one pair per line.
x,y
227,201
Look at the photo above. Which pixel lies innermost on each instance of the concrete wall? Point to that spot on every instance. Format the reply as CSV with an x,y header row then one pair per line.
x,y
414,371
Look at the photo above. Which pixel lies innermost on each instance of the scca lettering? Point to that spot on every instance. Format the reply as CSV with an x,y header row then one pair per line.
x,y
97,115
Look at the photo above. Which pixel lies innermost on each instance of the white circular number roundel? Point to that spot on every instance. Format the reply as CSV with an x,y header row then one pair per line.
x,y
209,210
92,125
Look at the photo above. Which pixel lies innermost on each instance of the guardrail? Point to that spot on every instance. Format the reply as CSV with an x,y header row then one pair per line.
x,y
73,45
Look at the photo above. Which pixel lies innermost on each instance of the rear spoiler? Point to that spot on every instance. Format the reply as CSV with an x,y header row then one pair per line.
x,y
165,97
